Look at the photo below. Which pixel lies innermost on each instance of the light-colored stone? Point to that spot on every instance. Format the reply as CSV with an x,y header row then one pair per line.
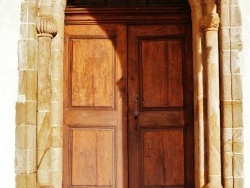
x,y
31,85
56,137
26,136
225,62
25,161
56,110
28,31
20,113
235,16
31,110
29,12
225,15
227,139
235,62
56,159
43,177
238,162
26,180
32,54
236,86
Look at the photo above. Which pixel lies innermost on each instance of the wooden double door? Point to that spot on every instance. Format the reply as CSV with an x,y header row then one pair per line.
x,y
128,106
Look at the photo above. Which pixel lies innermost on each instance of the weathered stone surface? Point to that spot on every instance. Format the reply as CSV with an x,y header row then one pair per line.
x,y
28,31
31,110
26,180
31,85
20,113
56,137
25,161
26,136
43,138
225,15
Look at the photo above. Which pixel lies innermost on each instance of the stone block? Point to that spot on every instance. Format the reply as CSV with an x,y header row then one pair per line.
x,y
236,86
227,164
227,137
32,57
41,118
26,180
56,65
234,2
22,54
238,147
239,182
58,8
225,62
22,83
25,161
44,164
28,31
56,159
224,16
44,137
26,136
57,44
228,182
225,45
238,135
236,45
56,86
236,34
226,117
56,179
235,62
226,87
20,113
224,2
238,163
225,34
56,137
31,112
237,114
31,86
56,113
235,15
29,12
45,7
43,177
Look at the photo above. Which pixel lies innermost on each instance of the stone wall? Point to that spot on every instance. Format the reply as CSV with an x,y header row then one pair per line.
x,y
24,47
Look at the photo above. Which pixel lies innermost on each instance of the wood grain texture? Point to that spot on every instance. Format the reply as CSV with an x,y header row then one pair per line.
x,y
160,147
95,134
92,157
92,72
163,158
162,59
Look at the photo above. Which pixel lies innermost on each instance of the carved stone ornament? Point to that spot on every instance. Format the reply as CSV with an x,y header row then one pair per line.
x,y
46,26
210,22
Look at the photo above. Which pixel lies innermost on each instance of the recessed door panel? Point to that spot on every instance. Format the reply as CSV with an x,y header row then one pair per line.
x,y
93,66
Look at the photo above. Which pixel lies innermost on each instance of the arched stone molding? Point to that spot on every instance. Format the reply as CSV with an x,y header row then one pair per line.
x,y
33,112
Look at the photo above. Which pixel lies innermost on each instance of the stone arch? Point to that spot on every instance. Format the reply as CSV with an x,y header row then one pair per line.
x,y
39,106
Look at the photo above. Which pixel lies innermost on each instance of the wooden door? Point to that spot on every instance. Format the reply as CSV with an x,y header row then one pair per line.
x,y
160,125
95,119
145,142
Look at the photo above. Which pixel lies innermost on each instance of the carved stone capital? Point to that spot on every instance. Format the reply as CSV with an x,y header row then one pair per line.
x,y
46,26
210,22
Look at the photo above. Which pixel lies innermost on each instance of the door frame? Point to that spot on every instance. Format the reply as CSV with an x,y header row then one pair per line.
x,y
50,25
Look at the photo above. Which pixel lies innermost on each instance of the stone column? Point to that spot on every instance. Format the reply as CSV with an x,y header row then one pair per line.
x,y
46,29
210,24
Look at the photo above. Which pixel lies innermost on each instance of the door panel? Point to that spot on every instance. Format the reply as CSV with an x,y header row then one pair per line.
x,y
95,138
160,120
